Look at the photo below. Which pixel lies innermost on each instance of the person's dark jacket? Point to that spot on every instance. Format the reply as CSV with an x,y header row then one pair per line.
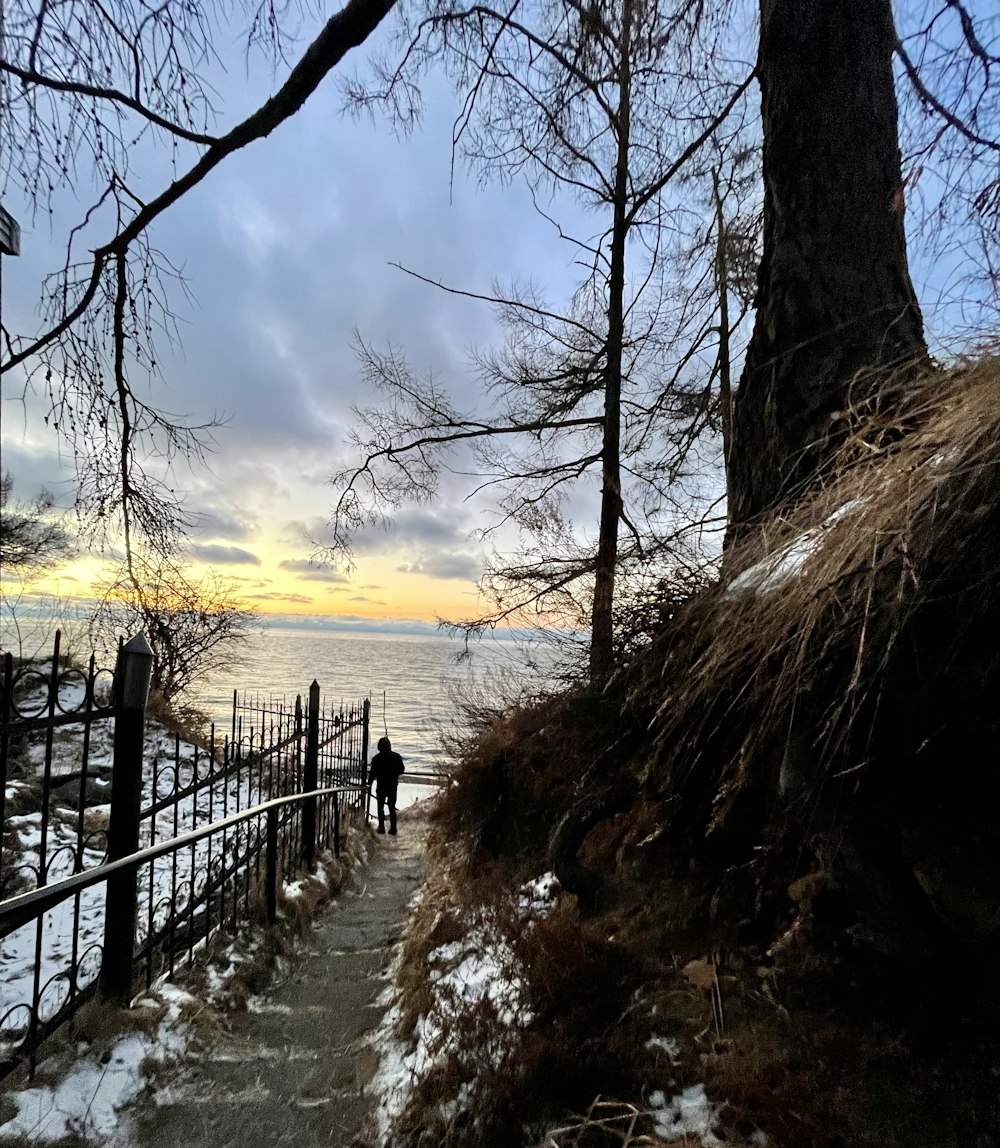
x,y
385,768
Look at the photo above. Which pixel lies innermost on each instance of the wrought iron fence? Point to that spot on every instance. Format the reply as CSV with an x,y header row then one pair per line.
x,y
164,847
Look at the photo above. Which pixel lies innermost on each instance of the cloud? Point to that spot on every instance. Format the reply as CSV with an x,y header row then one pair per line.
x,y
225,555
307,571
353,622
274,597
33,463
445,565
287,250
221,523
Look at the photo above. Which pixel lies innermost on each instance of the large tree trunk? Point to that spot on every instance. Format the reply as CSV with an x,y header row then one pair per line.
x,y
835,306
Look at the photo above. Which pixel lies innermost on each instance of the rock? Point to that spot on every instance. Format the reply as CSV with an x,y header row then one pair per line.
x,y
96,790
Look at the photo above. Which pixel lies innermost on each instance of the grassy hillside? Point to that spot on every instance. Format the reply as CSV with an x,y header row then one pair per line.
x,y
775,843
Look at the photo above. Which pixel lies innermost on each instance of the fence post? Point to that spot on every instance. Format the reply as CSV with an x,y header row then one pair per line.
x,y
310,778
132,674
271,875
366,714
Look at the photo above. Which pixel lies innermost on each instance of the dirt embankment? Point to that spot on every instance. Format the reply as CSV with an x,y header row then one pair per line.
x,y
776,837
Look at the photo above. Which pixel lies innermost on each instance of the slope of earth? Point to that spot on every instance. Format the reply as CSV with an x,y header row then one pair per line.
x,y
776,918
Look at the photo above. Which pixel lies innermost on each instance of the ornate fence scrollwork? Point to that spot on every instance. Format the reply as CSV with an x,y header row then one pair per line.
x,y
205,859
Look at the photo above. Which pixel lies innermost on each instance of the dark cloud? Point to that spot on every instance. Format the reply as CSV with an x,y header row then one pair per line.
x,y
287,249
225,555
417,528
223,523
445,566
32,465
307,571
354,622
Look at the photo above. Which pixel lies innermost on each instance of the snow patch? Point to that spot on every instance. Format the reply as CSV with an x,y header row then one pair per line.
x,y
537,898
667,1044
772,572
478,972
689,1113
88,1099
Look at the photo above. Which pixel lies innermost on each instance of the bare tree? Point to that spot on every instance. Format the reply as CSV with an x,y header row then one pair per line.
x,y
949,100
81,83
581,102
31,538
194,626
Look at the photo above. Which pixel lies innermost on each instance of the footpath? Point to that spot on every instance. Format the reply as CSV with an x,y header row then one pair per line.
x,y
293,1071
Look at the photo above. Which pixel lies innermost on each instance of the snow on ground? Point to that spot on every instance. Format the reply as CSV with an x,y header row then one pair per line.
x,y
688,1113
482,967
772,572
76,840
479,971
90,1090
50,949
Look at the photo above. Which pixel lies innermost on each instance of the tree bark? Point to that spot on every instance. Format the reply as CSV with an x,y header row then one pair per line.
x,y
836,310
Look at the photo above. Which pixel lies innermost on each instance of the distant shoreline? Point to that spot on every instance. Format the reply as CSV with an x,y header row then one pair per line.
x,y
38,616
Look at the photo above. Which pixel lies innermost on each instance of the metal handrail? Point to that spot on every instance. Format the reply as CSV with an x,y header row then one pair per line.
x,y
26,907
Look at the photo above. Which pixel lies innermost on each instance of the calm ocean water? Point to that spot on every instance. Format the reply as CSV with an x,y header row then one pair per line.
x,y
416,675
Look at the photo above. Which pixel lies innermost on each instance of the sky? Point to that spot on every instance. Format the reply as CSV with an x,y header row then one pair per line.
x,y
286,248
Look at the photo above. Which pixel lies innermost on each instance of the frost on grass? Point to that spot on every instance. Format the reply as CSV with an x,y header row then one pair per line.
x,y
478,1009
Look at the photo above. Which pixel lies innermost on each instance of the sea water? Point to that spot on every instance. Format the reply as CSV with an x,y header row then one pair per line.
x,y
414,681
410,679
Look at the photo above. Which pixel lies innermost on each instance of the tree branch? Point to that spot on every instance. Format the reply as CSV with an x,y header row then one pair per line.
x,y
347,29
111,95
928,97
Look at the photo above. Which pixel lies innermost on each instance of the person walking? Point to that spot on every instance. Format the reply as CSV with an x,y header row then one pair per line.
x,y
385,769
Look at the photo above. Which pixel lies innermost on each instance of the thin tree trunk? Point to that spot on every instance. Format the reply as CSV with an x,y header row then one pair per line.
x,y
602,612
724,358
836,311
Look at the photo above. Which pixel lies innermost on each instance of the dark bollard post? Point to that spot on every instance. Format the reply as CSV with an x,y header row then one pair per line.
x,y
271,875
366,715
310,779
132,675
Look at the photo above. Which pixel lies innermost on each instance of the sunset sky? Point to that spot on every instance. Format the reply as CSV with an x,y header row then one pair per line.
x,y
286,249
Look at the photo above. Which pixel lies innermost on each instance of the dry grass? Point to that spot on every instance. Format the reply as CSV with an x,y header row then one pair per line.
x,y
900,525
844,692
520,770
858,692
605,1123
189,722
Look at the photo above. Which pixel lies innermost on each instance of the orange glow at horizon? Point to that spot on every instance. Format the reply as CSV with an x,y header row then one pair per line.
x,y
375,589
